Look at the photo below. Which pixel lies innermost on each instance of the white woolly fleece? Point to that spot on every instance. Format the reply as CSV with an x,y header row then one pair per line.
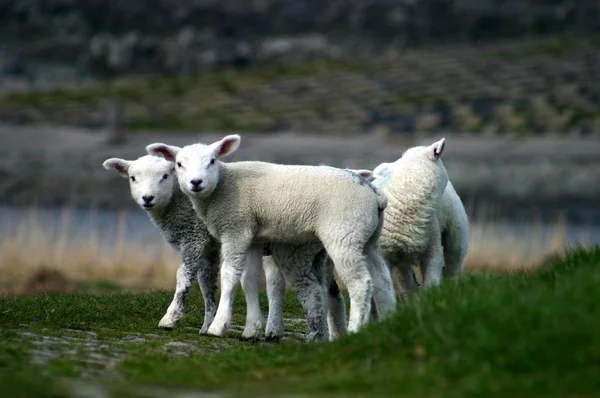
x,y
245,204
425,221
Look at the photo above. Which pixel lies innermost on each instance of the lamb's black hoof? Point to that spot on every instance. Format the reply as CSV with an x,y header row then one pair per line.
x,y
250,339
166,328
273,339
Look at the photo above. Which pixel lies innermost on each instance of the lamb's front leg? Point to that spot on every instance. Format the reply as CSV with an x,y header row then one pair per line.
x,y
184,278
208,273
233,253
251,287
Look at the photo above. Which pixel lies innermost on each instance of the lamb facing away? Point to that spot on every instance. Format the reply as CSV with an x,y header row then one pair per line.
x,y
248,204
154,187
411,232
426,222
452,218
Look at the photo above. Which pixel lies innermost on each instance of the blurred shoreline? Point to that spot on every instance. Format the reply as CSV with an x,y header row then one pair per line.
x,y
516,177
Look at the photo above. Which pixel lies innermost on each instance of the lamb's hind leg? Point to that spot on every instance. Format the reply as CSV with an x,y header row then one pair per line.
x,y
384,295
184,278
352,267
276,295
432,262
234,256
336,311
453,265
455,250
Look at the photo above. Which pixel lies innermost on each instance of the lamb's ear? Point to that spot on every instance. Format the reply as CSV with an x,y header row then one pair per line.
x,y
121,165
168,152
366,174
227,145
435,150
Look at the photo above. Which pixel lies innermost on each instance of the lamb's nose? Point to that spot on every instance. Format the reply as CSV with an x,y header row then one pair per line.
x,y
147,198
196,183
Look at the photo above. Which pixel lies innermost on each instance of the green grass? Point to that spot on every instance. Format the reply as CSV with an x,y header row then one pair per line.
x,y
519,334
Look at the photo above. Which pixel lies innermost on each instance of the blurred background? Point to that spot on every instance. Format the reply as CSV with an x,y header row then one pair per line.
x,y
512,85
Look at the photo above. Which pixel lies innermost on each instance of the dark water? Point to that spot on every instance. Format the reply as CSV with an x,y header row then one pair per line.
x,y
134,226
78,223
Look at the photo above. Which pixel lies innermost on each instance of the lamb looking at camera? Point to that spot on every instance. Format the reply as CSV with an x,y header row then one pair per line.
x,y
425,221
154,187
248,204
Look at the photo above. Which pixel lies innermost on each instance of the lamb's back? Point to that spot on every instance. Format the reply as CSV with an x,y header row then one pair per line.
x,y
414,191
288,201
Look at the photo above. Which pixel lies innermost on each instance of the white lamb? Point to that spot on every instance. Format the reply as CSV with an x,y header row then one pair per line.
x,y
153,184
425,221
248,204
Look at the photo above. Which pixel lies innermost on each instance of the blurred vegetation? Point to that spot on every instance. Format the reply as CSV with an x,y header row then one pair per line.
x,y
529,87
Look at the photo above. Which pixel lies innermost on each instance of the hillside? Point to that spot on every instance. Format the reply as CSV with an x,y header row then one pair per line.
x,y
519,334
528,87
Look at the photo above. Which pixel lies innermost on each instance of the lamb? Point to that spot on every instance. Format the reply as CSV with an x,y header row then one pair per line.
x,y
453,221
426,222
154,187
248,204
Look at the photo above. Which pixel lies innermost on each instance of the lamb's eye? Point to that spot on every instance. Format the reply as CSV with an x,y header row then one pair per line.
x,y
165,176
132,178
178,164
212,161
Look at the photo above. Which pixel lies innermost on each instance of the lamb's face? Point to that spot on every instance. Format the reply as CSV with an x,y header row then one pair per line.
x,y
151,181
197,165
197,170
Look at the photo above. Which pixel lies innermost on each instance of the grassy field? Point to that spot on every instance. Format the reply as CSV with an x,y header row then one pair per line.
x,y
519,334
